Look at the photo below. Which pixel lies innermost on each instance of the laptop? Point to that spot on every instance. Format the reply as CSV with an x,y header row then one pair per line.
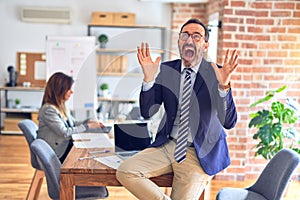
x,y
131,138
105,129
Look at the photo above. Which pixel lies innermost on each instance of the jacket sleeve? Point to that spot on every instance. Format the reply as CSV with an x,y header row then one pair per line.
x,y
55,122
226,109
229,110
151,100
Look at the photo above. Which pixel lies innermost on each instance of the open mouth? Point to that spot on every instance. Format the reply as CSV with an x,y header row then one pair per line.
x,y
188,53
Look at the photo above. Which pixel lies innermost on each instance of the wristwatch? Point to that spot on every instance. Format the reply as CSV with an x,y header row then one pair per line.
x,y
225,87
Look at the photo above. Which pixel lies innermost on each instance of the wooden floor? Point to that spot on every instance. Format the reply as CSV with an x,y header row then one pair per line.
x,y
16,173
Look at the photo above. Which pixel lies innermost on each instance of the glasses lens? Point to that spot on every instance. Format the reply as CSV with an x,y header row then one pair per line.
x,y
184,36
196,36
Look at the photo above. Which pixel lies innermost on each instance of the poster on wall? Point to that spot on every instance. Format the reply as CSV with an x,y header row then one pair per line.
x,y
75,56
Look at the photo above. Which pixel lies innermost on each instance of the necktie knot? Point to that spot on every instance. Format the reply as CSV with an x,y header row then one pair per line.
x,y
188,71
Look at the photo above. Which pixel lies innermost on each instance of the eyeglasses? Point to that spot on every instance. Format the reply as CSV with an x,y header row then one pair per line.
x,y
195,36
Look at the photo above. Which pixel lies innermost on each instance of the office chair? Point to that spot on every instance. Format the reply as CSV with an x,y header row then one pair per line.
x,y
271,183
51,166
29,128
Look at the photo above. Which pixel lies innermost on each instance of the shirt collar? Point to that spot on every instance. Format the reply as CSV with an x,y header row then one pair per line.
x,y
194,68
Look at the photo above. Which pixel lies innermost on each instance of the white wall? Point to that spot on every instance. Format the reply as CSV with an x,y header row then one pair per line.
x,y
16,35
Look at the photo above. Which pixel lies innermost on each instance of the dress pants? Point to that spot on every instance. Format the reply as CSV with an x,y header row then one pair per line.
x,y
189,178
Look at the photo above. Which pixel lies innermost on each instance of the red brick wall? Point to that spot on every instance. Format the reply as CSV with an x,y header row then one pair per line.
x,y
267,36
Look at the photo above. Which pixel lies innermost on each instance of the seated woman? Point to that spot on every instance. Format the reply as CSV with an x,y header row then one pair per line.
x,y
56,124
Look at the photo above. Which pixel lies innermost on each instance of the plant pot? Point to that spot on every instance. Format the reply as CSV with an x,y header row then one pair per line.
x,y
103,45
106,93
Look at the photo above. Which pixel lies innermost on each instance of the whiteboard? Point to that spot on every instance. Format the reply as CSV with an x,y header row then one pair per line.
x,y
75,56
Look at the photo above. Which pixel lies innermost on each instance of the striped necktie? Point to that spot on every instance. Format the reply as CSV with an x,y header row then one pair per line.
x,y
181,144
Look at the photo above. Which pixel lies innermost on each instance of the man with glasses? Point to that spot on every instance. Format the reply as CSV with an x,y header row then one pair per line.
x,y
190,141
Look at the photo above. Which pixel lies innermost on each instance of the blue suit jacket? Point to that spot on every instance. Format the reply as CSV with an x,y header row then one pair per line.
x,y
209,112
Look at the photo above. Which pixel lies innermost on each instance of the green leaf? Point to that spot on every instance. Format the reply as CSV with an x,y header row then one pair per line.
x,y
252,115
270,123
261,118
277,109
297,150
264,151
104,86
281,89
288,116
276,130
265,134
267,98
269,95
276,91
103,38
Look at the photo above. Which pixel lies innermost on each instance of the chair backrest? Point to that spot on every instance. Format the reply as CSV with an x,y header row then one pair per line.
x,y
50,164
276,175
29,129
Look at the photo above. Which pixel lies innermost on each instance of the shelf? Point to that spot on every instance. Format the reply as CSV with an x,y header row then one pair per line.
x,y
117,26
19,110
114,61
20,88
124,51
118,62
14,115
116,99
119,74
136,26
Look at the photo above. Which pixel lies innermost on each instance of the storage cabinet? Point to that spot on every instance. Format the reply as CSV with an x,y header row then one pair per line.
x,y
119,58
13,115
117,64
110,62
113,18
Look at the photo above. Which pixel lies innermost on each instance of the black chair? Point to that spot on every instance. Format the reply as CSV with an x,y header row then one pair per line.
x,y
271,183
51,166
29,128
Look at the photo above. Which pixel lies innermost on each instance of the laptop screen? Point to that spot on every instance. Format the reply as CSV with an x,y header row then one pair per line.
x,y
131,136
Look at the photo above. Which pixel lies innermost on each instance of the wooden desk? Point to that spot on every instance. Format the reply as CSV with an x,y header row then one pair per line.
x,y
92,173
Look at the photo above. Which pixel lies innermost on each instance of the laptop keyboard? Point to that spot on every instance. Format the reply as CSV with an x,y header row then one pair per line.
x,y
105,129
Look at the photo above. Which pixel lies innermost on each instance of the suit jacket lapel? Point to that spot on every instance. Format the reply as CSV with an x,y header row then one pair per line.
x,y
203,70
176,79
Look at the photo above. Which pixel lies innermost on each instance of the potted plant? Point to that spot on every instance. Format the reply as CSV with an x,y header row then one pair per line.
x,y
104,89
103,39
274,125
17,103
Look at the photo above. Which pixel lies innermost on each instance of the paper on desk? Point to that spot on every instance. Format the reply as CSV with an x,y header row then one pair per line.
x,y
92,140
88,136
111,161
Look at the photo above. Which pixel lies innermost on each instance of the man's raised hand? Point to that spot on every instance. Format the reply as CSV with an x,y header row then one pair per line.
x,y
229,66
149,67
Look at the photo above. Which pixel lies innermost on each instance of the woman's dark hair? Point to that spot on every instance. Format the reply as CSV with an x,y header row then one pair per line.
x,y
197,21
56,88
